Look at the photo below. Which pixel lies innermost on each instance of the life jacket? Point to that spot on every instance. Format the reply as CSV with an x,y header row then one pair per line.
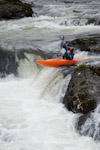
x,y
71,50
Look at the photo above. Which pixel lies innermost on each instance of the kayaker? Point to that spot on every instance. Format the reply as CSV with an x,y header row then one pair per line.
x,y
69,51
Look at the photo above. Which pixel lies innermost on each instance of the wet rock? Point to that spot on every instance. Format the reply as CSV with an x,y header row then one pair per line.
x,y
87,44
82,120
10,59
95,21
8,63
90,124
83,90
83,96
14,9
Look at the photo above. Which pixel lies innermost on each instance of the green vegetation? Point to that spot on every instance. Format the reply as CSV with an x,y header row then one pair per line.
x,y
26,7
19,3
86,104
14,9
82,104
95,70
87,44
82,97
82,43
97,50
1,1
81,68
83,82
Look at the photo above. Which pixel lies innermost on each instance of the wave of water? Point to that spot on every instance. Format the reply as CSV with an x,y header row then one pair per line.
x,y
31,114
92,124
40,31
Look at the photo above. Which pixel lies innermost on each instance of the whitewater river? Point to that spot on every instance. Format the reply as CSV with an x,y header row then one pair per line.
x,y
32,116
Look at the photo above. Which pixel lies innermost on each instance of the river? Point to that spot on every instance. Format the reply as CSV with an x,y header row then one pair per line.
x,y
32,116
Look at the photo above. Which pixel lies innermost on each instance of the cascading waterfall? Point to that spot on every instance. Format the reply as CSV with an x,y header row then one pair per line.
x,y
92,124
32,116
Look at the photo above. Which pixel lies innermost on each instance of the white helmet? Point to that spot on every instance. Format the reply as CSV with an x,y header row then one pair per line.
x,y
62,37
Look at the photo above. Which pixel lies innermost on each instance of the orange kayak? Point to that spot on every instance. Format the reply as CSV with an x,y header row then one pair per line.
x,y
57,62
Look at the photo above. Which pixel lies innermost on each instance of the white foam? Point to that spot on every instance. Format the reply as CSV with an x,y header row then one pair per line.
x,y
32,117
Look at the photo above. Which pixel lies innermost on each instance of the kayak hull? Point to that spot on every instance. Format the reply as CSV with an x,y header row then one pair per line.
x,y
57,62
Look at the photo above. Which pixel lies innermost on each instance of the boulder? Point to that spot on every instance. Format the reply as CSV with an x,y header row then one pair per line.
x,y
87,44
89,124
83,96
95,21
83,90
8,63
10,59
14,9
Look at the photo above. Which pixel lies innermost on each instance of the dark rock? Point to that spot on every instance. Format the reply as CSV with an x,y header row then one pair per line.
x,y
8,63
14,9
10,59
83,90
82,120
87,44
95,21
89,124
91,21
83,96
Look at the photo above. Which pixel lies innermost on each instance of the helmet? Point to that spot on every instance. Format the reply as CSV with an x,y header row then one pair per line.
x,y
62,37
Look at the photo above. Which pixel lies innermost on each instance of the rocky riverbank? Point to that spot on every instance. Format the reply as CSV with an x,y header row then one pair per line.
x,y
87,44
83,93
14,9
10,59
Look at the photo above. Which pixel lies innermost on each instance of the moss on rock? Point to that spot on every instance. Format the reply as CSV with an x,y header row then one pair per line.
x,y
95,70
2,1
87,44
97,49
14,9
81,68
81,104
86,104
85,41
82,44
84,95
83,82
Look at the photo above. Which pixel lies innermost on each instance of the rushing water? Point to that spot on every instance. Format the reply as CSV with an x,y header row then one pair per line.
x,y
32,116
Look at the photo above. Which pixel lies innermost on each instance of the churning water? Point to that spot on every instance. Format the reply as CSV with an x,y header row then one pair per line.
x,y
32,116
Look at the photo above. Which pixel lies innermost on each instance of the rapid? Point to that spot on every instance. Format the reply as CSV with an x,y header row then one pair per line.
x,y
32,116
